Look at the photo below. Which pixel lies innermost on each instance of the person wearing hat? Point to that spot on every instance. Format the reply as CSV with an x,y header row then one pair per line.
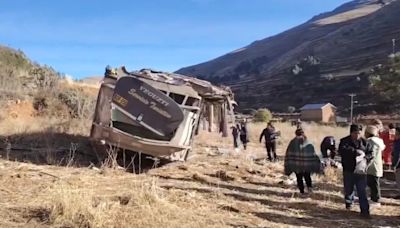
x,y
352,150
302,160
375,146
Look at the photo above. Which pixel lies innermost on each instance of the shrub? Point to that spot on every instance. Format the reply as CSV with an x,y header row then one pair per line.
x,y
40,103
262,115
45,78
291,109
78,102
47,104
68,102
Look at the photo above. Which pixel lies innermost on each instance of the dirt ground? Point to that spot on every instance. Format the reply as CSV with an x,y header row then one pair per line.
x,y
217,187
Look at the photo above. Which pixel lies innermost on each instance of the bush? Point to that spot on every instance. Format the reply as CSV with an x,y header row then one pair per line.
x,y
78,102
291,109
45,78
68,102
47,104
262,115
40,103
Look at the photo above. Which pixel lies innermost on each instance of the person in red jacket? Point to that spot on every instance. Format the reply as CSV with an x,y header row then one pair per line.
x,y
388,137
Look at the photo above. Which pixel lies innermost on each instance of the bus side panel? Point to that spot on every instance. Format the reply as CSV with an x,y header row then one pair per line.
x,y
102,113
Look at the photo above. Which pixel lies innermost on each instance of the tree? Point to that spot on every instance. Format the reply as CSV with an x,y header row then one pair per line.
x,y
307,66
385,80
291,109
262,115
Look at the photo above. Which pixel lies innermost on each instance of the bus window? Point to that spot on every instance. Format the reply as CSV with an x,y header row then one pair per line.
x,y
177,97
191,101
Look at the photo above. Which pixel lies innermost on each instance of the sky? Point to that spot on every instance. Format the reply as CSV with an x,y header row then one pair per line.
x,y
81,37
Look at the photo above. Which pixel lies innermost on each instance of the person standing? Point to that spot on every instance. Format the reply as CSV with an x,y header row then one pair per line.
x,y
375,145
235,135
388,136
396,160
298,124
270,136
244,136
302,160
352,151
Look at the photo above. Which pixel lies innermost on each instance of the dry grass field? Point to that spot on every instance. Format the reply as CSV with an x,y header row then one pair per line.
x,y
217,187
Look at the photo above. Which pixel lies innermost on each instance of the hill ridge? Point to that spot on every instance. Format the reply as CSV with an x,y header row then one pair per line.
x,y
344,44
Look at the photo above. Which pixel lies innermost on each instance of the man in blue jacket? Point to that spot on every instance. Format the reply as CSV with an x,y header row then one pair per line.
x,y
353,150
396,159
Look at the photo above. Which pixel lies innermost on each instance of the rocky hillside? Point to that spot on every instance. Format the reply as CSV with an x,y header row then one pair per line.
x,y
322,60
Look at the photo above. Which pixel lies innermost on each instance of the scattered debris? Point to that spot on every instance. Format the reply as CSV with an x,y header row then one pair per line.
x,y
229,208
183,167
224,176
199,178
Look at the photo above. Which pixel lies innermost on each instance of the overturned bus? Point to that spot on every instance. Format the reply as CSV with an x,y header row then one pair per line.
x,y
156,113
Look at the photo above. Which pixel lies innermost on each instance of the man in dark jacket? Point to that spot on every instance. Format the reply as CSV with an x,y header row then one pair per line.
x,y
235,135
244,136
396,160
353,150
270,136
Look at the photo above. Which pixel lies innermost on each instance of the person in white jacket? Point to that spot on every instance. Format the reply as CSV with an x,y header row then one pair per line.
x,y
375,146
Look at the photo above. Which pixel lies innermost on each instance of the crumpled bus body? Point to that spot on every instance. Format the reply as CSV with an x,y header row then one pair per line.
x,y
154,113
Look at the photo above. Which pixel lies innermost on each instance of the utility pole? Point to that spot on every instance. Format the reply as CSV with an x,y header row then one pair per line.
x,y
352,95
394,46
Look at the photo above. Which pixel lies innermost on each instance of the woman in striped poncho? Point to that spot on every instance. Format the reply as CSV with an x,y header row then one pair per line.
x,y
302,160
